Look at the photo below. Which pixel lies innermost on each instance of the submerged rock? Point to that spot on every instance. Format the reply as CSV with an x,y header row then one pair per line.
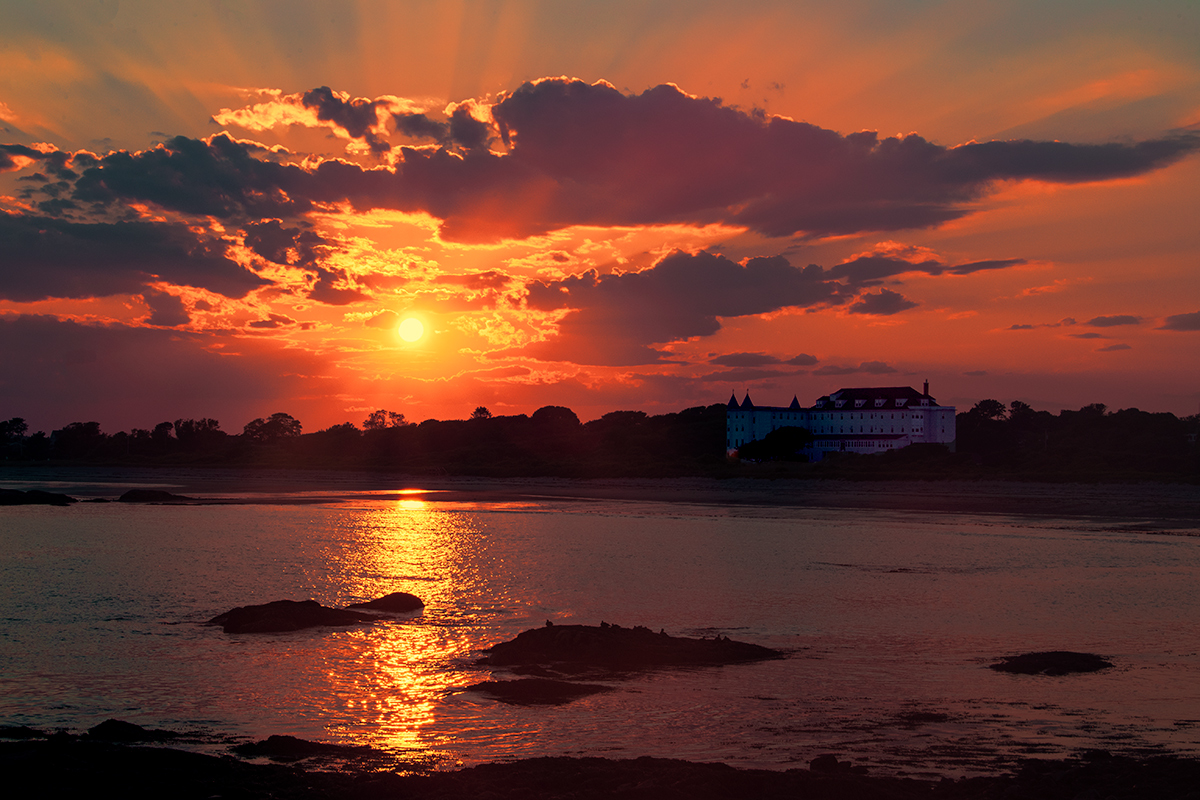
x,y
1051,662
394,603
287,615
34,497
537,691
614,647
153,496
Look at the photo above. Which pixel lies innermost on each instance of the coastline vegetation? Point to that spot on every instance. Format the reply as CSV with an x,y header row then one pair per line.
x,y
994,441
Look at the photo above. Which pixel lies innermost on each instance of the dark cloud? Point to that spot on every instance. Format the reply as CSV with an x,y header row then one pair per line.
x,y
885,303
420,126
12,155
872,270
866,367
1113,348
981,266
615,318
1091,335
167,310
356,116
326,291
468,131
47,257
744,360
802,360
1021,327
220,178
273,321
1182,322
492,279
589,154
388,320
271,240
1109,322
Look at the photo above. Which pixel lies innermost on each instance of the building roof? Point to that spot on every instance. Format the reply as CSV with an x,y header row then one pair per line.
x,y
871,397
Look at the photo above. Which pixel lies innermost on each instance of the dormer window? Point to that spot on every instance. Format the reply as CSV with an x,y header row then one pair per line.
x,y
859,403
900,401
879,401
839,403
924,402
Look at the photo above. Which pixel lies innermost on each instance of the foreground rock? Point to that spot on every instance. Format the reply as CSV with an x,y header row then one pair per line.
x,y
34,497
290,749
287,615
568,647
394,603
1051,662
76,767
537,691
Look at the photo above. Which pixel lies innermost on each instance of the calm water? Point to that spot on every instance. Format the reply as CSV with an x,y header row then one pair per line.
x,y
889,619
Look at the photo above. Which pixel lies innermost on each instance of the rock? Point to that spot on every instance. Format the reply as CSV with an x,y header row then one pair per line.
x,y
34,497
286,615
394,603
614,647
825,763
116,730
20,732
537,691
1051,662
291,748
153,496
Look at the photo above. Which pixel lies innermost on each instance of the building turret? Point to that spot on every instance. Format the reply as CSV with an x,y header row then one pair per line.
x,y
795,406
733,403
747,404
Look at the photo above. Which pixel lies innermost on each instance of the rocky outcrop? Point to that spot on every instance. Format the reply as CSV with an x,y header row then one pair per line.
x,y
615,648
394,603
34,497
1051,662
287,615
537,691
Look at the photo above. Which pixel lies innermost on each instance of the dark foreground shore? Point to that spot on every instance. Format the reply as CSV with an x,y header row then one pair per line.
x,y
76,767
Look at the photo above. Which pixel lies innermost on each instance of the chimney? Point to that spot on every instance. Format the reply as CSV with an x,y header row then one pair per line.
x,y
927,387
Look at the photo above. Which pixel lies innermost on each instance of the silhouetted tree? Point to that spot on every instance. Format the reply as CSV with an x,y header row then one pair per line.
x,y
481,412
193,433
13,429
77,440
277,426
383,419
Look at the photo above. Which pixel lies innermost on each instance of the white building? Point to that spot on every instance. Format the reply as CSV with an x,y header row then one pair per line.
x,y
870,420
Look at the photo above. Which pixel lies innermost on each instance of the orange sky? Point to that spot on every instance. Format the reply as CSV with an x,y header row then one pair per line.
x,y
225,210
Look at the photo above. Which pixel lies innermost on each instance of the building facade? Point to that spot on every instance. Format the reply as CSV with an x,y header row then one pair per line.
x,y
867,420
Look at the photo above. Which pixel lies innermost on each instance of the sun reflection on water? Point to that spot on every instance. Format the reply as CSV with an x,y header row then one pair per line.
x,y
402,670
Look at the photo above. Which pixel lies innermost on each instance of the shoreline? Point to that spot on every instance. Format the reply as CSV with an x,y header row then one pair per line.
x,y
65,765
1154,505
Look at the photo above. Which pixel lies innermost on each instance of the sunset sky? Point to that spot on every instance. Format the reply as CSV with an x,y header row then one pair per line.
x,y
226,209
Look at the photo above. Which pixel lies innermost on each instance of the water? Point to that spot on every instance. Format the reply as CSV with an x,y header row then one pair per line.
x,y
889,619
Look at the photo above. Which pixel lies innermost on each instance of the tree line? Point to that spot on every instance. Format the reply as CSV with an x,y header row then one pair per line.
x,y
551,441
994,441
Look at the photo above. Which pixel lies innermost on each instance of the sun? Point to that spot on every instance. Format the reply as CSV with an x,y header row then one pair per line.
x,y
411,329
